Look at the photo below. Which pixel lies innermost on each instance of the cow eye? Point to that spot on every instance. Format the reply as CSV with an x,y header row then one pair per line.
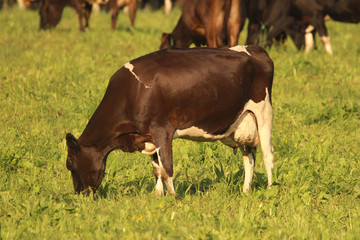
x,y
69,164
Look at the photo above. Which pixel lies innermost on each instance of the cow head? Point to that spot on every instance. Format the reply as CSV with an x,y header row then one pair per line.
x,y
87,166
50,15
167,41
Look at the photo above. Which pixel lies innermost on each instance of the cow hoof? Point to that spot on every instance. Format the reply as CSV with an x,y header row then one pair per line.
x,y
159,194
246,191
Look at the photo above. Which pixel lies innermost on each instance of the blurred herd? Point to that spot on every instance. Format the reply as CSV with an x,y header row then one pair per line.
x,y
217,23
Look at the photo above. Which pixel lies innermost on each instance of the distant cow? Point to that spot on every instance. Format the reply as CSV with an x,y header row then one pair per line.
x,y
115,5
295,12
305,16
214,22
201,94
263,13
51,10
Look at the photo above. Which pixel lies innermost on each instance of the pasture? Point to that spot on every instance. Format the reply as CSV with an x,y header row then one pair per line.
x,y
52,81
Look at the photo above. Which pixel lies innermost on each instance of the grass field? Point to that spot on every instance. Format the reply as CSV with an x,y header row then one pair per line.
x,y
52,81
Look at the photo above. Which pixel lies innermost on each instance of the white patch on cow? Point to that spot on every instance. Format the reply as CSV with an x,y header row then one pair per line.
x,y
149,149
309,29
170,185
309,38
161,174
242,132
249,165
130,67
326,41
196,134
159,188
264,114
240,48
246,130
158,169
309,42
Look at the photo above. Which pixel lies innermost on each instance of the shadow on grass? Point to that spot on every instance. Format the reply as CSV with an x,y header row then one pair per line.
x,y
192,188
232,183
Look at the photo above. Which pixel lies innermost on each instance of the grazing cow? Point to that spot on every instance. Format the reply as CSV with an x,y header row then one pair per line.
x,y
295,12
214,22
302,16
201,94
51,10
181,37
262,14
343,11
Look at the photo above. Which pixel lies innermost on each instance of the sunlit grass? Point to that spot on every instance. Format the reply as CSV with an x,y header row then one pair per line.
x,y
52,81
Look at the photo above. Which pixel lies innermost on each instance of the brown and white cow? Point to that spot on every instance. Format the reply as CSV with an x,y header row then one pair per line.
x,y
201,94
212,22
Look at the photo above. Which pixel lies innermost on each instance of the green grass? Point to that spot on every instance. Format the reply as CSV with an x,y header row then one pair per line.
x,y
52,81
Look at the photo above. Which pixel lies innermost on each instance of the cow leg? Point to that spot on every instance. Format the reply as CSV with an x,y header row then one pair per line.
x,y
265,128
88,9
167,6
249,156
132,11
163,167
114,15
253,33
264,115
235,23
213,39
309,38
326,42
157,167
319,25
78,8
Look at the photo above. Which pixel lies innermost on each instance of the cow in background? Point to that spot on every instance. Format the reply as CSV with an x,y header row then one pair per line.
x,y
115,5
299,18
347,11
260,14
51,10
212,22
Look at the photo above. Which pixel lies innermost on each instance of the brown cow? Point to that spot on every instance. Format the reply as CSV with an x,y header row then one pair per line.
x,y
200,94
51,10
214,22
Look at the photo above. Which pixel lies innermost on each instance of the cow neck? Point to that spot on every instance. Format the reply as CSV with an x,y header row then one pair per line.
x,y
101,131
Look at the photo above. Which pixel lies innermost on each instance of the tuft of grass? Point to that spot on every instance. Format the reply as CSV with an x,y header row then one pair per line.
x,y
52,81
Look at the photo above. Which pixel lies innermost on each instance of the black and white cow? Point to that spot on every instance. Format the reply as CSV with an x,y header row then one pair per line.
x,y
201,94
296,17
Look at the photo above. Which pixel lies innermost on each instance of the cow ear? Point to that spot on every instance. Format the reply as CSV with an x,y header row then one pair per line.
x,y
164,37
72,143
